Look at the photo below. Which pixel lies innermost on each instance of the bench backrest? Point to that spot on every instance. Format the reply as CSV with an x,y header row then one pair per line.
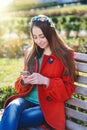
x,y
76,107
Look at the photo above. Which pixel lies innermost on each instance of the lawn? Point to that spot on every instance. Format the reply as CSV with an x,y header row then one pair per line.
x,y
9,71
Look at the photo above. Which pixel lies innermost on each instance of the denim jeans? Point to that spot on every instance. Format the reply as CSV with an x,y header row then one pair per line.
x,y
21,113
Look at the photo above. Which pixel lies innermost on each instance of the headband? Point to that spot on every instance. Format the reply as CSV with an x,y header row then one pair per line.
x,y
42,18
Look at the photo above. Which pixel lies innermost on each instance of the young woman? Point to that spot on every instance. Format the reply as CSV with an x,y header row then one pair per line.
x,y
46,82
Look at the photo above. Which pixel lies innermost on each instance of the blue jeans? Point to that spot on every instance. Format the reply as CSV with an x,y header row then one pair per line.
x,y
21,114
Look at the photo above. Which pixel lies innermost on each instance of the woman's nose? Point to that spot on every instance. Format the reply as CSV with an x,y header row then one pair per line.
x,y
38,40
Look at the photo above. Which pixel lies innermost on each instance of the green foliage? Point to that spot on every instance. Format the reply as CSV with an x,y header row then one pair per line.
x,y
71,22
14,47
5,92
55,20
13,38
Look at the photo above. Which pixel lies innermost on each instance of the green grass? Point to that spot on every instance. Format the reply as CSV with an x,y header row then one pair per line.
x,y
9,71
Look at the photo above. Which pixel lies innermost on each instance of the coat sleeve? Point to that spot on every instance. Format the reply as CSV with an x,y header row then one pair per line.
x,y
18,85
60,89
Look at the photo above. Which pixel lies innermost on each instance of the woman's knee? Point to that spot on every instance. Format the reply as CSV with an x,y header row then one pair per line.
x,y
12,106
15,107
18,104
17,101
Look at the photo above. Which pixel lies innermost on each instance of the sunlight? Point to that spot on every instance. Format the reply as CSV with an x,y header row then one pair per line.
x,y
4,3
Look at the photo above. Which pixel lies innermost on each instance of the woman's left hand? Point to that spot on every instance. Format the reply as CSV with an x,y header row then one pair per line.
x,y
36,78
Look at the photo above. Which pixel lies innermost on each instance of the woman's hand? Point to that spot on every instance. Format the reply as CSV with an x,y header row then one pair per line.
x,y
35,78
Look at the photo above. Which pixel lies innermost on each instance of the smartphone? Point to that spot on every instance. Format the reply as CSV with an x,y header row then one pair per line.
x,y
25,72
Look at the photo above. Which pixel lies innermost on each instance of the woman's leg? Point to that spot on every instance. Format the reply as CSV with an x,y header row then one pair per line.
x,y
12,113
31,117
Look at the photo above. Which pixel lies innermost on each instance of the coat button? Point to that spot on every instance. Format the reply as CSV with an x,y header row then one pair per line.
x,y
48,98
50,60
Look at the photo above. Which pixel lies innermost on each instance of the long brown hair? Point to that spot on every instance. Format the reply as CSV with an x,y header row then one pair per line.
x,y
57,46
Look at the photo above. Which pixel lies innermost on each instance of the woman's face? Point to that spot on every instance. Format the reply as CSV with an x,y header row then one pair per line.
x,y
39,37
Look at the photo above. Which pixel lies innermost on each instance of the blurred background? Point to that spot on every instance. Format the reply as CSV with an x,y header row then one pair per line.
x,y
69,17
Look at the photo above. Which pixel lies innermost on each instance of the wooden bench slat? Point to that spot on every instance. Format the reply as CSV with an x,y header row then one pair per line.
x,y
73,126
81,66
76,114
80,56
81,90
78,102
82,79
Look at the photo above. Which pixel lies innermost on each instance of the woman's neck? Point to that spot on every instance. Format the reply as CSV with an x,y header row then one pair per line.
x,y
47,51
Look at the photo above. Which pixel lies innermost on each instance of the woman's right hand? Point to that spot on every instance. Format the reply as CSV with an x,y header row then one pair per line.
x,y
24,75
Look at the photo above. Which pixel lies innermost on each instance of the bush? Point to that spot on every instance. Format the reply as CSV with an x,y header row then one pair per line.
x,y
5,92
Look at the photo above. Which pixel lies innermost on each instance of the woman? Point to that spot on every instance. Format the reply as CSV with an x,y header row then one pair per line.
x,y
46,82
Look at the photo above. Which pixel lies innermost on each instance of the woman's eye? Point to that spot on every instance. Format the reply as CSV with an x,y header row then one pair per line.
x,y
42,36
39,37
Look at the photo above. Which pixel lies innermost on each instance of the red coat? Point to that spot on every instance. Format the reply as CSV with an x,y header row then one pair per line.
x,y
53,97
